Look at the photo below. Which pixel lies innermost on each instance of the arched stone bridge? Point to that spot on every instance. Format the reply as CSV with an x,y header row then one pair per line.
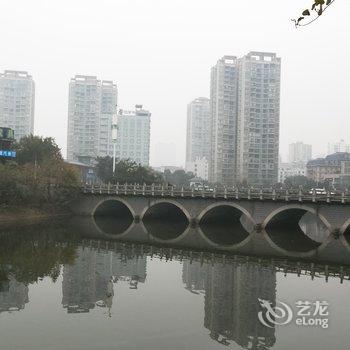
x,y
258,208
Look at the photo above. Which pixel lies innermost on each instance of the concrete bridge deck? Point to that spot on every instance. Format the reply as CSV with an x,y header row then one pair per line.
x,y
221,193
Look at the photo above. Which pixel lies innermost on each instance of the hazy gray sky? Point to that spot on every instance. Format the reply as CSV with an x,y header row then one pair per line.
x,y
160,52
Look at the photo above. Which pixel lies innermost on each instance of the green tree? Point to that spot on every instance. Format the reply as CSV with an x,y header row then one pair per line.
x,y
36,150
39,177
126,170
178,177
299,181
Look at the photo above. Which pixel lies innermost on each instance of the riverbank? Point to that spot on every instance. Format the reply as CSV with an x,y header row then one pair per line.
x,y
16,214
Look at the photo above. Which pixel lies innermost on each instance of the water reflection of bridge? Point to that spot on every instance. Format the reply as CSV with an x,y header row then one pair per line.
x,y
315,244
285,266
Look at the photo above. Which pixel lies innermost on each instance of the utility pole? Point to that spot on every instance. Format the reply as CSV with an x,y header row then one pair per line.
x,y
114,137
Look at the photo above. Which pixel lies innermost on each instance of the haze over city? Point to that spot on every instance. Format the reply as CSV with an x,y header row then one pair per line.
x,y
160,53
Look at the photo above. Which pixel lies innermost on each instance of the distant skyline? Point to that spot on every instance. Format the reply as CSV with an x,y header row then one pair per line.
x,y
163,59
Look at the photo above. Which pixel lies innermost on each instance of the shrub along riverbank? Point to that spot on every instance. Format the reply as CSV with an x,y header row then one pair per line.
x,y
38,183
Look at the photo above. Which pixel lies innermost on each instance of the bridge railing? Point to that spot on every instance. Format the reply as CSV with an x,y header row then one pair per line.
x,y
226,193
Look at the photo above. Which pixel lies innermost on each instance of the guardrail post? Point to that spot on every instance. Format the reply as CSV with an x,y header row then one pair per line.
x,y
341,274
214,192
328,197
343,197
172,191
100,188
300,194
134,189
117,188
152,189
237,193
126,188
192,192
162,190
249,193
287,195
92,189
261,194
326,272
144,189
203,192
314,195
225,192
182,191
274,194
108,187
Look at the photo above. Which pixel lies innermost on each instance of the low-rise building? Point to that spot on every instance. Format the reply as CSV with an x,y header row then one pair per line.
x,y
334,169
7,139
291,169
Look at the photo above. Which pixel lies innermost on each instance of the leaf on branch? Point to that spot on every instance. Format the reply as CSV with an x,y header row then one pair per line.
x,y
306,13
319,2
328,2
320,11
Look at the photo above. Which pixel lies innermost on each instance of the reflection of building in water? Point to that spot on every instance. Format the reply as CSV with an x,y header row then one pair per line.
x,y
231,301
88,280
78,286
193,276
13,295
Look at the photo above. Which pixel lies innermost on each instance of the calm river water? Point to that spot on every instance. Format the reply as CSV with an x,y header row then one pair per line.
x,y
66,288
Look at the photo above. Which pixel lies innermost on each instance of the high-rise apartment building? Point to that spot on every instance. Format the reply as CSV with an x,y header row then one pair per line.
x,y
198,137
17,98
299,152
245,110
92,105
258,118
198,129
133,139
223,124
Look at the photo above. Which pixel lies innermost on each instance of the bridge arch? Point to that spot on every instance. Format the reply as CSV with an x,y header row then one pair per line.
x,y
296,254
285,232
171,240
100,230
300,207
166,221
345,227
166,201
222,204
113,217
218,245
113,199
225,224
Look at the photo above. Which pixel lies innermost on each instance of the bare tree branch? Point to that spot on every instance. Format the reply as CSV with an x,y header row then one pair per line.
x,y
315,12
